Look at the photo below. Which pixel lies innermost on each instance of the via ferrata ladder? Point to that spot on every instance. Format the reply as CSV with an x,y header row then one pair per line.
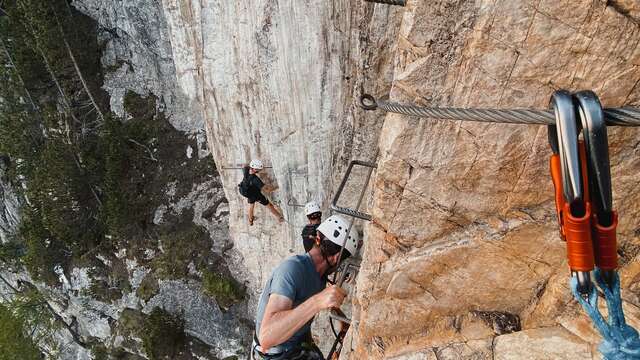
x,y
349,270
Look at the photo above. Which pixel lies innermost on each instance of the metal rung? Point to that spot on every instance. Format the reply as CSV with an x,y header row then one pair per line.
x,y
351,212
340,318
348,211
290,203
344,271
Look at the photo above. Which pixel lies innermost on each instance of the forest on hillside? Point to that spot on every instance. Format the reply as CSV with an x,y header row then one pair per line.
x,y
89,183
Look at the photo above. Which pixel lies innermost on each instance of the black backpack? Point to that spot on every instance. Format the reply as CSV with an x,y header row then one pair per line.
x,y
243,187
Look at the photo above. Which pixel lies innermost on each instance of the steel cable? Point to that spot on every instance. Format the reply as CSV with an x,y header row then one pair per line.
x,y
626,116
389,2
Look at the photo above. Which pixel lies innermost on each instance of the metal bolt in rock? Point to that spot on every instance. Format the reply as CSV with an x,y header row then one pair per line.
x,y
389,2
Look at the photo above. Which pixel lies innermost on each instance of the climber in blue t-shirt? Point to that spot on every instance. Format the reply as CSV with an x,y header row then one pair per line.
x,y
252,186
297,291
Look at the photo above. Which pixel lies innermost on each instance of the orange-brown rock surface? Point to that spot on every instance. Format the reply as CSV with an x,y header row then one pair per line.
x,y
463,258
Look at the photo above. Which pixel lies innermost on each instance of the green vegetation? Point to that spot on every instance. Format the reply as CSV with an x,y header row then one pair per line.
x,y
163,335
109,283
100,352
148,288
182,244
54,147
24,321
131,322
93,181
13,342
224,289
11,251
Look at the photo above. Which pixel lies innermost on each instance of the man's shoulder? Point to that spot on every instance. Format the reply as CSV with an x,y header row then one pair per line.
x,y
294,264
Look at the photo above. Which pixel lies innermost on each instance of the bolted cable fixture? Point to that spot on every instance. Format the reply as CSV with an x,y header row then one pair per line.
x,y
625,116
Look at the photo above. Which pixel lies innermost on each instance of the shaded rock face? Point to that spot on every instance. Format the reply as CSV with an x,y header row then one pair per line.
x,y
463,212
137,56
10,203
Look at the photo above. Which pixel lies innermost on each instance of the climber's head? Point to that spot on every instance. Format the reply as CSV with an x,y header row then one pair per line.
x,y
312,210
332,233
256,165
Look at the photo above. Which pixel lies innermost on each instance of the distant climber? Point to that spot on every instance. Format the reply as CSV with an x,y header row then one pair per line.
x,y
252,187
314,215
297,291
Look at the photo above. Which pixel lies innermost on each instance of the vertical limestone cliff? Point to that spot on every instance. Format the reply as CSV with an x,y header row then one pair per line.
x,y
274,80
463,258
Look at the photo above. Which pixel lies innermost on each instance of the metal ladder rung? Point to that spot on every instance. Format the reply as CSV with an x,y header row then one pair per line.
x,y
345,210
351,212
340,318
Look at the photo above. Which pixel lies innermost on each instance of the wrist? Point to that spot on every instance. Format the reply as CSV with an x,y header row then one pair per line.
x,y
316,304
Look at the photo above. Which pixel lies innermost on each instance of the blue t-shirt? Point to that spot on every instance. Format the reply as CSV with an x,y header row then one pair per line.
x,y
297,279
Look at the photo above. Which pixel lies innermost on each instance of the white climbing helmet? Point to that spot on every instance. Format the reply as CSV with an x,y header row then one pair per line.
x,y
311,208
256,164
335,230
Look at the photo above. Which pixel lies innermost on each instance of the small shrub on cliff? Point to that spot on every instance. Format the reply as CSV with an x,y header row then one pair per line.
x,y
13,342
183,243
224,289
11,251
163,335
100,352
143,108
44,252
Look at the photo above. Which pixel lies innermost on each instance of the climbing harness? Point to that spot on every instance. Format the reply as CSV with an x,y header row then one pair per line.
x,y
580,172
389,2
305,351
625,116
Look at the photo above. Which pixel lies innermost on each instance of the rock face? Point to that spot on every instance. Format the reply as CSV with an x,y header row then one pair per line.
x,y
463,212
274,81
10,203
462,259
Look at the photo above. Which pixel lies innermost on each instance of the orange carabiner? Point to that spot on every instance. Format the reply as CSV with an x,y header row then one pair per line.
x,y
577,228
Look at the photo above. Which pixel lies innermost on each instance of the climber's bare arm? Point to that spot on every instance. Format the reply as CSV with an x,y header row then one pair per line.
x,y
280,321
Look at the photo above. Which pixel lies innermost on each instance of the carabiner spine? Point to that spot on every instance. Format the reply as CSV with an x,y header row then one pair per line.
x,y
556,177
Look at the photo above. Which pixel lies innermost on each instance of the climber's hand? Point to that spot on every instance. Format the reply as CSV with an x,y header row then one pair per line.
x,y
331,297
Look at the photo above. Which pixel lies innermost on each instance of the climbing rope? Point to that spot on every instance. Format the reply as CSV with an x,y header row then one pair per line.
x,y
619,340
626,116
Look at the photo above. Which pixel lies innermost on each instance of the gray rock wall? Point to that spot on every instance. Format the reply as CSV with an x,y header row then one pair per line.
x,y
10,203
